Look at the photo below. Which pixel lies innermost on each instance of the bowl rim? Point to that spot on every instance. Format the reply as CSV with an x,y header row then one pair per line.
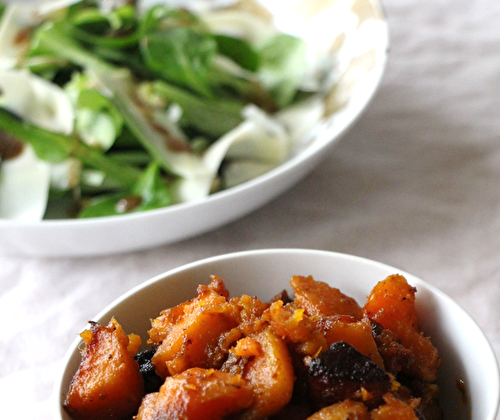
x,y
307,252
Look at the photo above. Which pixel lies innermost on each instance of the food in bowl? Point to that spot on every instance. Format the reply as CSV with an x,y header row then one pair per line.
x,y
112,108
314,355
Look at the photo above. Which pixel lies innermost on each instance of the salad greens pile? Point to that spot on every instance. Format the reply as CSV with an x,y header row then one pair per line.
x,y
106,108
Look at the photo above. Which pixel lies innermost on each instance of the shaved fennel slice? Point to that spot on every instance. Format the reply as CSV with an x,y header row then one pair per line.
x,y
36,100
240,171
259,141
300,119
239,24
260,137
24,187
118,84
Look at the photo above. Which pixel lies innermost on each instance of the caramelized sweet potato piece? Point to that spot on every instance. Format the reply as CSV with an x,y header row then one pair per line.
x,y
320,299
190,341
392,304
294,326
356,333
214,293
343,373
268,371
345,410
197,394
108,384
395,409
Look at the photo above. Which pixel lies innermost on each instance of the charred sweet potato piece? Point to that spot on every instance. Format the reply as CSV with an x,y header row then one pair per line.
x,y
108,384
356,333
395,409
345,410
268,371
197,394
392,304
320,299
343,373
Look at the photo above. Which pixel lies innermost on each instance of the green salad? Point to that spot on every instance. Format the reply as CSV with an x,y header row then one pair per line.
x,y
111,107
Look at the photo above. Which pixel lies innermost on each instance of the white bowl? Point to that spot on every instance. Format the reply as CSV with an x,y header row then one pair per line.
x,y
465,351
359,40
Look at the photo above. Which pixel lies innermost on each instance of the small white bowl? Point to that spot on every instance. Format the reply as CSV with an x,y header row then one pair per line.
x,y
354,32
466,353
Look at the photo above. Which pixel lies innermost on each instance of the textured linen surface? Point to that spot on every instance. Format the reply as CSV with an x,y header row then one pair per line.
x,y
415,184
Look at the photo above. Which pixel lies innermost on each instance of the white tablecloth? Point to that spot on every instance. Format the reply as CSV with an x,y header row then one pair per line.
x,y
415,184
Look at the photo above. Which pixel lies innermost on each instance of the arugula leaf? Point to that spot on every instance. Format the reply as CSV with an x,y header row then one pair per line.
x,y
54,147
211,116
238,50
149,192
115,29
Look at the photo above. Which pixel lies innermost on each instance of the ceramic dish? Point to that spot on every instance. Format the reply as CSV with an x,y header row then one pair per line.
x,y
354,32
465,352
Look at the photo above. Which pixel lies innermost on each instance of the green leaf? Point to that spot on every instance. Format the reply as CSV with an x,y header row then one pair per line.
x,y
150,192
238,50
182,56
48,146
283,65
95,25
98,121
54,147
211,116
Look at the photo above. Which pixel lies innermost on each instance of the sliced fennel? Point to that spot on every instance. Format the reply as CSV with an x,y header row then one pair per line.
x,y
24,187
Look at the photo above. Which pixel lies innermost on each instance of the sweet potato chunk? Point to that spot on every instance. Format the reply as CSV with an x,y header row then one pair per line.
x,y
189,342
395,409
392,304
345,410
320,299
213,294
197,394
356,333
269,372
108,384
294,326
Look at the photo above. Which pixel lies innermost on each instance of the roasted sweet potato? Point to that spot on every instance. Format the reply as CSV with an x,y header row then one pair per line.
x,y
392,304
320,299
197,394
294,326
213,293
268,371
220,358
108,384
345,410
189,342
395,409
356,333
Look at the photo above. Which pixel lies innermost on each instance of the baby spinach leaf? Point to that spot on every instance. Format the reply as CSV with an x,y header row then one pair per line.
x,y
182,56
